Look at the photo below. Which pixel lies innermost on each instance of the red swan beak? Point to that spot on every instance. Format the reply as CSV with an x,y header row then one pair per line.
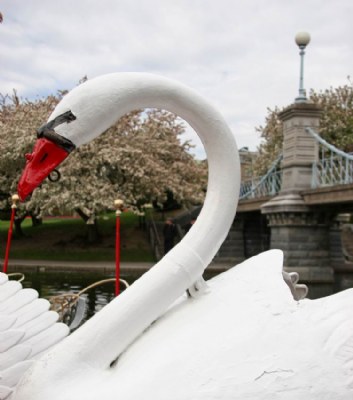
x,y
46,156
50,150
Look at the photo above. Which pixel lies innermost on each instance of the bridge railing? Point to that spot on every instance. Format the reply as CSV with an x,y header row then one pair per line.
x,y
333,167
263,186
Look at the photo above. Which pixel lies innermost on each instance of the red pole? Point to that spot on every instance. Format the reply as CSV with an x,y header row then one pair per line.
x,y
117,254
9,234
119,206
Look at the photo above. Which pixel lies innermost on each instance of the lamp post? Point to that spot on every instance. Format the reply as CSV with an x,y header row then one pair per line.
x,y
302,39
119,204
15,200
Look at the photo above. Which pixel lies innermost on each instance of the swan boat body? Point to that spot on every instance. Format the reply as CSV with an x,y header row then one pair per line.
x,y
243,336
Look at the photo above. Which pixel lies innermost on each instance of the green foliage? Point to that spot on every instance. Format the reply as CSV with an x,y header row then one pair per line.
x,y
62,239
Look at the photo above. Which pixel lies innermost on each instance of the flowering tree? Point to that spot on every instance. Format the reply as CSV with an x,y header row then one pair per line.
x,y
271,147
336,125
139,159
18,121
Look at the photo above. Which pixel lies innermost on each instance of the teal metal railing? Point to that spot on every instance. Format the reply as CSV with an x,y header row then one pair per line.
x,y
333,166
263,186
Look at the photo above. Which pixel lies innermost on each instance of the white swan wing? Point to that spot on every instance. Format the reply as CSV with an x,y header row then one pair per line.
x,y
246,338
27,329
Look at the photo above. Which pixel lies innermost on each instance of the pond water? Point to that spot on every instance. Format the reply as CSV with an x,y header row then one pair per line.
x,y
50,284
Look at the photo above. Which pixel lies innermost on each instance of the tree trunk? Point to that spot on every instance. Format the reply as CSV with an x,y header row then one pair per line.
x,y
18,228
80,212
92,235
35,220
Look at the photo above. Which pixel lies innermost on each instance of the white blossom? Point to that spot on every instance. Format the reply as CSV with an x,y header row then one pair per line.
x,y
139,159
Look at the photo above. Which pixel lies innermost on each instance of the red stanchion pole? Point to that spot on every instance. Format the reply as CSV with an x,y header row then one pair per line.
x,y
119,205
15,199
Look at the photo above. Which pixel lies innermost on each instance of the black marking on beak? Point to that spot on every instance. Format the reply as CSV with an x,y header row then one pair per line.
x,y
47,131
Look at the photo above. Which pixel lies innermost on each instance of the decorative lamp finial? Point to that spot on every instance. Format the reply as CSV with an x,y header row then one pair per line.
x,y
119,205
302,39
15,199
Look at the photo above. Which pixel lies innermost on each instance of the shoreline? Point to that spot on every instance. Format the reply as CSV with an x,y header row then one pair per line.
x,y
101,267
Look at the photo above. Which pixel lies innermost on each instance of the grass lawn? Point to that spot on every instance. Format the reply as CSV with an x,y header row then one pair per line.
x,y
63,239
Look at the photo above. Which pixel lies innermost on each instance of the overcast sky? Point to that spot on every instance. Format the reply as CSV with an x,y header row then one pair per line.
x,y
240,55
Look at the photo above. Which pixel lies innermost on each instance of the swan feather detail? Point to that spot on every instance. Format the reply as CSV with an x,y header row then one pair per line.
x,y
27,330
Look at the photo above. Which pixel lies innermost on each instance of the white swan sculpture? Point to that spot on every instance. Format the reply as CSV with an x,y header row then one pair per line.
x,y
243,337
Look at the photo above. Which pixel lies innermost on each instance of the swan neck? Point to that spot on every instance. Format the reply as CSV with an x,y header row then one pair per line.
x,y
97,105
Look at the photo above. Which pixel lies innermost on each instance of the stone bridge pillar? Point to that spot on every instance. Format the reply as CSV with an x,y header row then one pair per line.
x,y
300,149
302,233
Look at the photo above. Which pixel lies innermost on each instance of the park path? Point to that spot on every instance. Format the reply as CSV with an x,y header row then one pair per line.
x,y
102,267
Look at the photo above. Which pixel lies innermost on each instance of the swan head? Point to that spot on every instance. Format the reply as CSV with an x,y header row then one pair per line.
x,y
49,151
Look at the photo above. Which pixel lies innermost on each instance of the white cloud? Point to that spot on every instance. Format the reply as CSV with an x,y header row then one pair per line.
x,y
240,55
